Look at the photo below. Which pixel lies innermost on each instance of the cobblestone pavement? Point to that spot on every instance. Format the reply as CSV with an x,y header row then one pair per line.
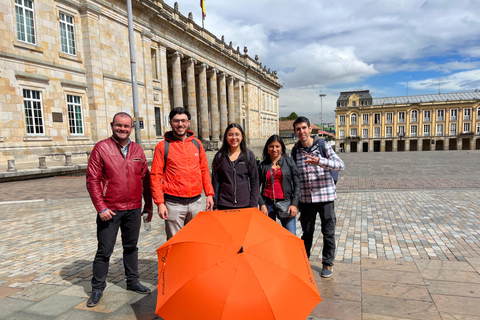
x,y
407,245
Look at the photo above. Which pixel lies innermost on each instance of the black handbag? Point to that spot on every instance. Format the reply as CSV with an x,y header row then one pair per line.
x,y
280,207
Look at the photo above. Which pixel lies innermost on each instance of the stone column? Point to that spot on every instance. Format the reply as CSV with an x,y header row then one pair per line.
x,y
191,95
177,79
223,102
202,85
238,102
231,101
165,96
214,105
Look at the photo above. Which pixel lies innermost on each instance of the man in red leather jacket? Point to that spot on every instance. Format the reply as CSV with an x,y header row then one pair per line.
x,y
117,176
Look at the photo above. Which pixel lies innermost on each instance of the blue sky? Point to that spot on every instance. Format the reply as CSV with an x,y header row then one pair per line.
x,y
340,45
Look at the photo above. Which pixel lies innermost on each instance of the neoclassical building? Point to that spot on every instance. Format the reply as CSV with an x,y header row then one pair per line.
x,y
444,121
65,71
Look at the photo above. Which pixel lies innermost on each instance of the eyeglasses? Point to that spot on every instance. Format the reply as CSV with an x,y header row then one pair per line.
x,y
178,121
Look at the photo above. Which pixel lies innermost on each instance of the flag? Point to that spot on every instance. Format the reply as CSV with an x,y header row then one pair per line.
x,y
202,5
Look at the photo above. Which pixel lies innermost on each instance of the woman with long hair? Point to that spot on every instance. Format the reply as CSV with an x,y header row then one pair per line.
x,y
285,184
234,172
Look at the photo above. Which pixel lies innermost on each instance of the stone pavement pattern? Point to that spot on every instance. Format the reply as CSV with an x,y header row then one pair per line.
x,y
407,252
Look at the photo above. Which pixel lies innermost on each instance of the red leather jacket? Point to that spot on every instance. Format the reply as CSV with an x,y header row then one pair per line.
x,y
115,182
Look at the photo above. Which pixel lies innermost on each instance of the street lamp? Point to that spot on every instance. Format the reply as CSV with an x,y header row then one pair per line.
x,y
321,95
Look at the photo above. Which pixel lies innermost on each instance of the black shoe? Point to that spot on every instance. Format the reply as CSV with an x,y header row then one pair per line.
x,y
94,299
139,288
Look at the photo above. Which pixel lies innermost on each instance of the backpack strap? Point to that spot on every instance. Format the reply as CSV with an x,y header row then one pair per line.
x,y
167,146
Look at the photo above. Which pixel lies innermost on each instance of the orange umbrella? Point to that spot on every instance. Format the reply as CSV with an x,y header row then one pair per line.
x,y
234,264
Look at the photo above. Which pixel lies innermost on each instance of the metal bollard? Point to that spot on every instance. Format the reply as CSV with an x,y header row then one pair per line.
x,y
11,166
42,162
68,159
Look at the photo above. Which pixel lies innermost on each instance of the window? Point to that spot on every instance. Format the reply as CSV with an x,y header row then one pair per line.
x,y
426,115
389,117
413,131
426,129
354,104
353,132
75,114
365,133
158,122
401,117
376,118
466,114
478,128
401,131
440,115
342,120
365,118
466,127
439,129
32,102
453,129
153,60
25,23
388,132
414,116
353,119
478,113
453,114
67,34
342,134
376,132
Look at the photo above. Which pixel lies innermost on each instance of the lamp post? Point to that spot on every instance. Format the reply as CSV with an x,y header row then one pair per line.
x,y
321,95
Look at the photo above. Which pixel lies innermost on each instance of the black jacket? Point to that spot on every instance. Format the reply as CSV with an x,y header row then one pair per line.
x,y
291,179
236,186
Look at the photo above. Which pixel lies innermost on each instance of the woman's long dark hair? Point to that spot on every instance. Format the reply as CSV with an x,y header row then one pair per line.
x,y
226,146
273,138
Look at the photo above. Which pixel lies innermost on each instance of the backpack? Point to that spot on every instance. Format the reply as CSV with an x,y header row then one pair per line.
x,y
321,145
167,146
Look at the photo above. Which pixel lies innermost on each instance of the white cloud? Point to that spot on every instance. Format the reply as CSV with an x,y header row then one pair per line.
x,y
461,81
316,44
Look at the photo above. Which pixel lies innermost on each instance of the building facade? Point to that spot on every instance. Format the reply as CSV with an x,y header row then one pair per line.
x,y
449,121
65,71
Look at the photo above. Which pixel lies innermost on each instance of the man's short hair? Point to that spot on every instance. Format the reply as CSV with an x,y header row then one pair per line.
x,y
300,120
179,110
123,115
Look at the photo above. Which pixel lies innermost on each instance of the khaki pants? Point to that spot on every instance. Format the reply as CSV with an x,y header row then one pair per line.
x,y
179,215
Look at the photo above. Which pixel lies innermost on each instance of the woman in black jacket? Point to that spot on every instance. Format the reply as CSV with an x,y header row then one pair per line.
x,y
234,172
286,181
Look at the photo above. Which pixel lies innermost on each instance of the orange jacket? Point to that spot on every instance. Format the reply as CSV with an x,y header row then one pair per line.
x,y
186,173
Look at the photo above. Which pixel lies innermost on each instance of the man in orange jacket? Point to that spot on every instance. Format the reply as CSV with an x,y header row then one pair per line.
x,y
178,178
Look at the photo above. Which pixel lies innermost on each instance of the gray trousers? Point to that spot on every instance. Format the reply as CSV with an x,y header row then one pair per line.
x,y
179,215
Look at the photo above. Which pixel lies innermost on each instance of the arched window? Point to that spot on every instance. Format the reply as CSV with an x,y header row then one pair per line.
x,y
353,119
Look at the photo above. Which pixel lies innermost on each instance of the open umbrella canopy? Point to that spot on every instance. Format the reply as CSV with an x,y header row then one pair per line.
x,y
234,264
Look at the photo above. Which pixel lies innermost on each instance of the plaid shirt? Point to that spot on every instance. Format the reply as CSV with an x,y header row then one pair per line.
x,y
316,182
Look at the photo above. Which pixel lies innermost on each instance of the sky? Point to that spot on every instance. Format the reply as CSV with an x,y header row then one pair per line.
x,y
390,47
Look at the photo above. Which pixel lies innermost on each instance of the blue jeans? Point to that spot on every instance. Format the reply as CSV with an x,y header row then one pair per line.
x,y
288,223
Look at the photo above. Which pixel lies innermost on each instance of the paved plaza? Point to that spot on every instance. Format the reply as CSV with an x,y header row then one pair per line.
x,y
408,235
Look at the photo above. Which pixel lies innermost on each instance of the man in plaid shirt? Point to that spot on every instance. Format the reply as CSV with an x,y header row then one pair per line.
x,y
315,159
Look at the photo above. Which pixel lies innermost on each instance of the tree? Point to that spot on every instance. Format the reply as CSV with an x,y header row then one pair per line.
x,y
292,116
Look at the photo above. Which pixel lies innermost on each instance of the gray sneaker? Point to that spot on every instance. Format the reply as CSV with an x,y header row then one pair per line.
x,y
326,271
